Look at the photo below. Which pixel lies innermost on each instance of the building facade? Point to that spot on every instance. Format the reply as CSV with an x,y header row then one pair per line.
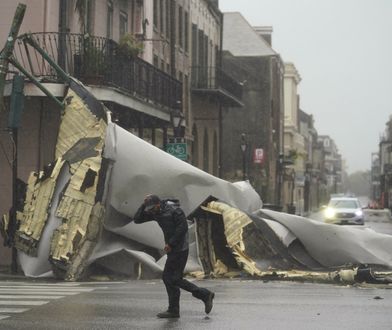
x,y
253,135
146,60
385,166
333,165
294,144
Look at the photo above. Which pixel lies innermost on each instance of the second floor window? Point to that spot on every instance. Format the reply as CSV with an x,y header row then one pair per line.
x,y
85,11
167,18
155,14
180,27
109,20
123,23
186,31
161,16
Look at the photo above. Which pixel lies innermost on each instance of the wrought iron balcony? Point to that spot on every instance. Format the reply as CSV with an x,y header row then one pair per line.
x,y
214,80
99,61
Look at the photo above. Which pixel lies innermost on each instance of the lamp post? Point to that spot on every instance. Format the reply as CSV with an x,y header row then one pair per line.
x,y
244,147
280,167
176,119
177,146
308,179
292,207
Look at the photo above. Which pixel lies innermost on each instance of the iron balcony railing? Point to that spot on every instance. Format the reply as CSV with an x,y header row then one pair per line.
x,y
98,61
207,77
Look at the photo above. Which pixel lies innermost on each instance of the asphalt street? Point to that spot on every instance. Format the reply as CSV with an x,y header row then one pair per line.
x,y
239,304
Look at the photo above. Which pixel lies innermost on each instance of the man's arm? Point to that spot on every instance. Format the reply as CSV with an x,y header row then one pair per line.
x,y
141,216
181,227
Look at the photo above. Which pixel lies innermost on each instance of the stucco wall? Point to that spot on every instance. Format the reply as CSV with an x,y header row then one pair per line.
x,y
40,16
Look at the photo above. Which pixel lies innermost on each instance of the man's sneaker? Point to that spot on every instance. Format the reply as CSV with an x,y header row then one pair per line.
x,y
168,315
208,302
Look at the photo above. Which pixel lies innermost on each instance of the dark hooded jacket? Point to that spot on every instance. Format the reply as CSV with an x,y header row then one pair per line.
x,y
172,221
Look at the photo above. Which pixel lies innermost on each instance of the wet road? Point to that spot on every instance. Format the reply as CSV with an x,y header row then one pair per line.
x,y
238,305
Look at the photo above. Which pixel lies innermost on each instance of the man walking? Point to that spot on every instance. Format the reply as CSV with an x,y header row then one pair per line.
x,y
172,220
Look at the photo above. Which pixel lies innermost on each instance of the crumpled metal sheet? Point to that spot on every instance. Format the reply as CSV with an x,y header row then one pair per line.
x,y
231,241
334,246
86,189
138,168
72,208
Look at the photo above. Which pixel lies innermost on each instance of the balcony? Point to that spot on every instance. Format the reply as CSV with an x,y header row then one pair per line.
x,y
98,61
212,80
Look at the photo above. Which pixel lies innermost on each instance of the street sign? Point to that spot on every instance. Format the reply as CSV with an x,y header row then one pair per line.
x,y
258,156
177,150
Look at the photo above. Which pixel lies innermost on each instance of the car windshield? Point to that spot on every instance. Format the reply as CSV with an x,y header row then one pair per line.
x,y
344,204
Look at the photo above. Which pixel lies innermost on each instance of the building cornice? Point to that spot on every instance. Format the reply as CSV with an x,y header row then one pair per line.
x,y
290,71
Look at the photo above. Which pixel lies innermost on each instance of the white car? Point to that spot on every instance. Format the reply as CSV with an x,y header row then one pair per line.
x,y
344,211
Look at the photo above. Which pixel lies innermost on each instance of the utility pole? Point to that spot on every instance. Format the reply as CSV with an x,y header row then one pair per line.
x,y
17,106
15,111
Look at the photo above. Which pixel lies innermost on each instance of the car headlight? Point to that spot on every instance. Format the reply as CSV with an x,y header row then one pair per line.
x,y
330,213
358,213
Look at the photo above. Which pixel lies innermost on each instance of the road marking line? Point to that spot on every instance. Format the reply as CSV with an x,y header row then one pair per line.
x,y
15,296
99,283
43,288
67,284
23,302
13,310
12,295
33,292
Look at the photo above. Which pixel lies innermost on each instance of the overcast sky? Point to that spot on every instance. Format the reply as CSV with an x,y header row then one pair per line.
x,y
343,52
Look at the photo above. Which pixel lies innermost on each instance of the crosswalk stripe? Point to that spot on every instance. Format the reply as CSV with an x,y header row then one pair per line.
x,y
66,284
32,292
23,302
13,310
43,288
26,296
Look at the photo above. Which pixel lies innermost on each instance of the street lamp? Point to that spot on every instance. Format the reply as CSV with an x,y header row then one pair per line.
x,y
291,209
176,119
308,181
244,146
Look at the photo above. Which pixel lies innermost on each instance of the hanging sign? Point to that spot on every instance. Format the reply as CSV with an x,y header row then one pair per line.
x,y
258,156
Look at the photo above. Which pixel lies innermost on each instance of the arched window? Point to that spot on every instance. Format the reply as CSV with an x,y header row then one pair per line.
x,y
195,147
205,152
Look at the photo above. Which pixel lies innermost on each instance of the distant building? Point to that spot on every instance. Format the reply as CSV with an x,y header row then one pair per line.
x,y
375,177
385,166
333,165
294,142
212,89
258,126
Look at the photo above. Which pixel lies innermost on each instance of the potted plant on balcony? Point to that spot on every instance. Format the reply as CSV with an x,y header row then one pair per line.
x,y
129,46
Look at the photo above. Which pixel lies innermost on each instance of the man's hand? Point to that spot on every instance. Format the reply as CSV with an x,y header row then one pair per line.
x,y
167,248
